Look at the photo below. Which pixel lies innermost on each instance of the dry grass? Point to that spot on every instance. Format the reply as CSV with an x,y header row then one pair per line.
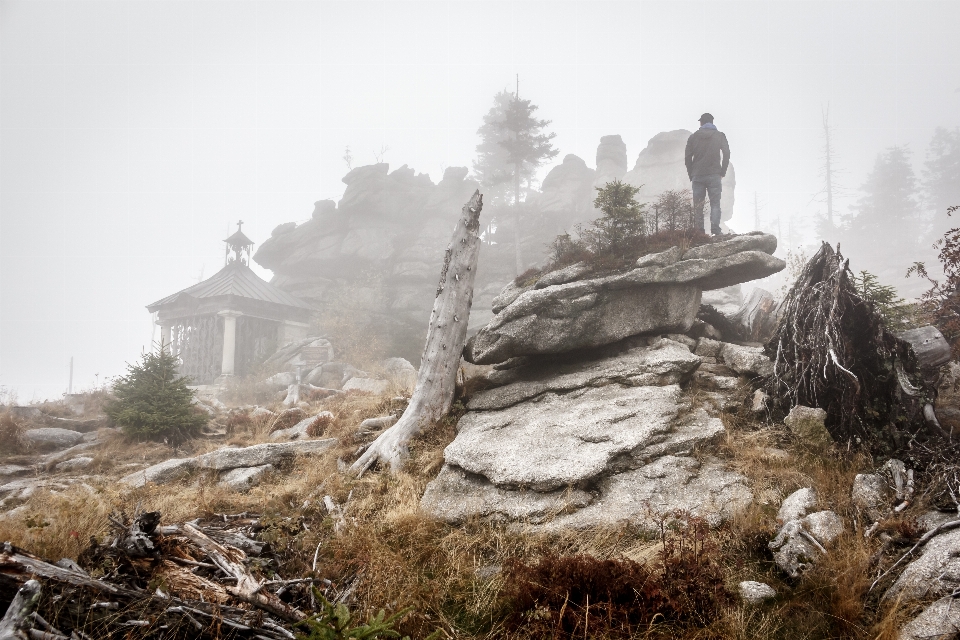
x,y
397,557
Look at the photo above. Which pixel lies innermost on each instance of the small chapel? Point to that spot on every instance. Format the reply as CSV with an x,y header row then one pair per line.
x,y
230,322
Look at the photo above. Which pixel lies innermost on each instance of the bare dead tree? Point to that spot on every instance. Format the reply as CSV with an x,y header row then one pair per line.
x,y
446,335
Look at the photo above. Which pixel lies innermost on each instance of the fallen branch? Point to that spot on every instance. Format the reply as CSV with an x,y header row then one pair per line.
x,y
11,626
446,335
247,588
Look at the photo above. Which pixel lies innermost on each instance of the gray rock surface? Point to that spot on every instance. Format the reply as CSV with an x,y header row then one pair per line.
x,y
662,363
594,312
47,438
560,276
807,424
663,258
756,592
455,496
935,573
299,430
643,496
559,440
401,372
272,453
244,478
939,621
751,241
799,543
871,495
748,361
579,315
74,464
798,504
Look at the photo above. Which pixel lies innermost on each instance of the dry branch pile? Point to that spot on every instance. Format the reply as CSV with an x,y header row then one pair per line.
x,y
832,350
189,580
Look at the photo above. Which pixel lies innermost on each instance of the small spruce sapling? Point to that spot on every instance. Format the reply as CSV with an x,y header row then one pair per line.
x,y
616,232
152,401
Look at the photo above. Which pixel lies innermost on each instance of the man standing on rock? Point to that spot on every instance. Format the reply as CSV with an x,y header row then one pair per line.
x,y
707,156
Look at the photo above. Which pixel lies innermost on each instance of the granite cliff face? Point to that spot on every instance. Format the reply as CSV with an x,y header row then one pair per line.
x,y
379,249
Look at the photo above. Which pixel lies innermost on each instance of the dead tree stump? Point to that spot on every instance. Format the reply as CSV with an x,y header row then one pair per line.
x,y
446,335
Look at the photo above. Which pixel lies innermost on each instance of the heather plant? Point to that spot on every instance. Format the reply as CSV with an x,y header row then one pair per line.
x,y
153,401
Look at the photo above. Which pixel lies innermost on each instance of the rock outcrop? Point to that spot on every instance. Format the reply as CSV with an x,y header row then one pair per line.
x,y
583,440
376,254
662,295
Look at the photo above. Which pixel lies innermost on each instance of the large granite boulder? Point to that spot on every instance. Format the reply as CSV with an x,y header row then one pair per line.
x,y
580,441
661,296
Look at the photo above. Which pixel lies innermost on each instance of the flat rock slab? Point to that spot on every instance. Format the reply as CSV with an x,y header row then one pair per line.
x,y
272,453
662,363
590,313
555,441
455,496
644,496
52,438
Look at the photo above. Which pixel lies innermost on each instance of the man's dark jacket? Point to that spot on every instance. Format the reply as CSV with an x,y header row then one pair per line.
x,y
707,153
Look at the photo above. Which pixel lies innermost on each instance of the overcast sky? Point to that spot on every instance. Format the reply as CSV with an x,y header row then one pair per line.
x,y
134,134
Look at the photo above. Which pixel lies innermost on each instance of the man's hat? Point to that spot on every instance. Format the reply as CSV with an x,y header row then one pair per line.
x,y
706,118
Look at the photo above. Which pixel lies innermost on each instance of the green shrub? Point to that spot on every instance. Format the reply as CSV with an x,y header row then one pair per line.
x,y
335,622
153,401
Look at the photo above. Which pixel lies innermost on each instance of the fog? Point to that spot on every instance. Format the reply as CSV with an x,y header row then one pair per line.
x,y
134,135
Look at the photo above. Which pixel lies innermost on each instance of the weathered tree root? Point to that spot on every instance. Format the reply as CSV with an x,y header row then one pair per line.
x,y
446,335
831,350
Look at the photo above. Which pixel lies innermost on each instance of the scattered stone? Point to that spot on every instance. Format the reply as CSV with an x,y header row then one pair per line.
x,y
708,348
806,423
261,413
756,592
798,504
244,478
799,543
759,402
74,464
299,430
47,438
871,495
746,360
370,425
401,372
366,385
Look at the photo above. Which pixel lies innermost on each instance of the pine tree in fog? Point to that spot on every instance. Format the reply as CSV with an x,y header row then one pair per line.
x,y
512,147
941,178
884,235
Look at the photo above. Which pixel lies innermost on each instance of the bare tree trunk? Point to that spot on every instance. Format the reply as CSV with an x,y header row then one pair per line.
x,y
446,335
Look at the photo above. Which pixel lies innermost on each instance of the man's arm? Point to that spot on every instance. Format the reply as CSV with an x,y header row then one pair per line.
x,y
725,149
688,157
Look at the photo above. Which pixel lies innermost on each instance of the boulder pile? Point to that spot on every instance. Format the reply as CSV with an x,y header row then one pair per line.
x,y
586,419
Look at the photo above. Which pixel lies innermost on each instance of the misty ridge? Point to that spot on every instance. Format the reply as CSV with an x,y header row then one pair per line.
x,y
609,320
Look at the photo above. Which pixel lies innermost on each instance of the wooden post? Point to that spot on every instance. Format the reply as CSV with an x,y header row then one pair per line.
x,y
446,335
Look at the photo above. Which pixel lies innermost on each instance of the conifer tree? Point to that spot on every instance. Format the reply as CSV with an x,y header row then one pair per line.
x,y
512,146
941,177
153,401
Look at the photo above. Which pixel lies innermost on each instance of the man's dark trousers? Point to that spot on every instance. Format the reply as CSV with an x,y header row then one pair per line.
x,y
704,186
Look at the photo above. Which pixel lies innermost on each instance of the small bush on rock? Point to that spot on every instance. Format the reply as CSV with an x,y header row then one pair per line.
x,y
153,401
